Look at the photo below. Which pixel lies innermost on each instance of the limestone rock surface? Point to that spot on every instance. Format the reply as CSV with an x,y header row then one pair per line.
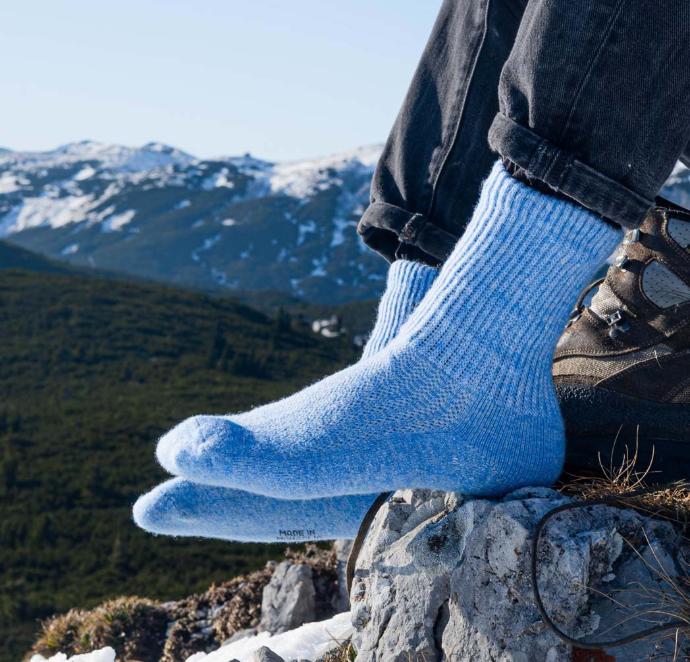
x,y
442,577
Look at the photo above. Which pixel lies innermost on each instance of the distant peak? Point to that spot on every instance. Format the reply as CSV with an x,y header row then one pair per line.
x,y
163,148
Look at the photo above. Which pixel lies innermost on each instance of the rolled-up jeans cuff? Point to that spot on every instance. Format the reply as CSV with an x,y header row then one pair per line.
x,y
561,171
385,227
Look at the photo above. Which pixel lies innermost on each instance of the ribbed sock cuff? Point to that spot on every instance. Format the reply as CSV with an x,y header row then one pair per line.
x,y
407,284
514,274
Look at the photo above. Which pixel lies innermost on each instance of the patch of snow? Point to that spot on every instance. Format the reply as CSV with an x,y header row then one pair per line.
x,y
248,165
117,222
302,179
207,245
199,223
319,267
294,284
346,211
52,210
102,655
9,182
85,173
114,157
219,276
340,225
9,221
183,204
219,180
309,641
70,250
46,210
246,253
229,222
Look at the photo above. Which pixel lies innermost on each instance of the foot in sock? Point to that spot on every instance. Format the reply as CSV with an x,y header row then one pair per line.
x,y
461,400
182,508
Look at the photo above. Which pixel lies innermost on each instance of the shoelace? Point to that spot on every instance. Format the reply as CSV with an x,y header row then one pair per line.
x,y
617,320
580,305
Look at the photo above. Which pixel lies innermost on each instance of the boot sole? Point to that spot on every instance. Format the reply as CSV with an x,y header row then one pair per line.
x,y
601,424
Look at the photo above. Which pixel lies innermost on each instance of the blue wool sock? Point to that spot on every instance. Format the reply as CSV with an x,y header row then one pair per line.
x,y
406,285
179,507
461,400
182,508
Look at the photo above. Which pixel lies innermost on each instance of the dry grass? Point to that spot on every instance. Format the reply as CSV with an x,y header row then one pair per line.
x,y
344,653
628,483
134,627
140,629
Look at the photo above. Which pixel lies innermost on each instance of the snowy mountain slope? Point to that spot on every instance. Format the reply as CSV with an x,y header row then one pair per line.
x,y
232,223
677,187
226,223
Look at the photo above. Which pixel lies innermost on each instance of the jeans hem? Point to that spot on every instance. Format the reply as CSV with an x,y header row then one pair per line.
x,y
390,229
561,171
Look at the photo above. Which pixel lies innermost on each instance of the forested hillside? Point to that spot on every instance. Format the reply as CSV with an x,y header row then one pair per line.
x,y
91,372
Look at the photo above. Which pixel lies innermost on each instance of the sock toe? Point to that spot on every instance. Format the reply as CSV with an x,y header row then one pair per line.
x,y
156,511
184,450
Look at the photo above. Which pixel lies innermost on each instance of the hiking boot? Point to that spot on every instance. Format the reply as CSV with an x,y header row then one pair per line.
x,y
622,366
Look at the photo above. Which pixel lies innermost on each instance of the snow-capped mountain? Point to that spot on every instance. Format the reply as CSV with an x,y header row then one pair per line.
x,y
225,223
233,223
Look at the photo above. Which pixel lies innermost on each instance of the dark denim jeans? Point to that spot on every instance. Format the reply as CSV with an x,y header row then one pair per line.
x,y
588,99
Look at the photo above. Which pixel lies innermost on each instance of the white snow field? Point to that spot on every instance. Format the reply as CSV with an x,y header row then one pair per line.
x,y
308,642
103,655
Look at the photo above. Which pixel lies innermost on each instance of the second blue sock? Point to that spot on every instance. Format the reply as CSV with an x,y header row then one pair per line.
x,y
182,508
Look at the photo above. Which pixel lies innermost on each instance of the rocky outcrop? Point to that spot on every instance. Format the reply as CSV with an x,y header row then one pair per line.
x,y
265,654
439,577
304,588
342,549
289,599
446,578
301,589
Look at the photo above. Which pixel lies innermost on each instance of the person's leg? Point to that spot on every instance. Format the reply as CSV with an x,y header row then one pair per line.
x,y
439,138
428,179
595,101
462,399
595,105
183,508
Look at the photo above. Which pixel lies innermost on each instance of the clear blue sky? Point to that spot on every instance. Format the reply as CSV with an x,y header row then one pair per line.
x,y
282,79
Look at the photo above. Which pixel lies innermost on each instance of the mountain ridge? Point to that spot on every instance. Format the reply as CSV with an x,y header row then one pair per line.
x,y
229,223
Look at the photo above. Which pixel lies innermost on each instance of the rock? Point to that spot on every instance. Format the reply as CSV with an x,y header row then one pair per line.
x,y
265,654
304,588
442,577
342,550
289,599
200,623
